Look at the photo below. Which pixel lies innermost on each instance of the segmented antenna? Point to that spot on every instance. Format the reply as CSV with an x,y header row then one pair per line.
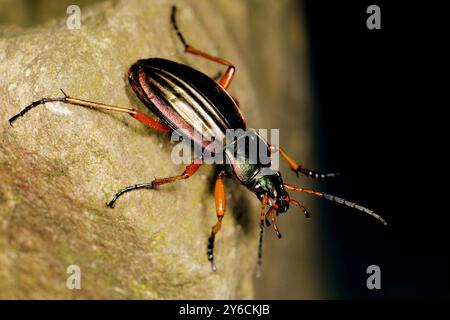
x,y
338,200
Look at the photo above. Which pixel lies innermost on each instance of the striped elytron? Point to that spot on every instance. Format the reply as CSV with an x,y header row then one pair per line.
x,y
188,100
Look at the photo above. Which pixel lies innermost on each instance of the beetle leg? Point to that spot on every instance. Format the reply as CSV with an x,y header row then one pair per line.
x,y
142,117
299,169
274,223
226,79
187,173
228,76
127,189
298,204
219,196
261,231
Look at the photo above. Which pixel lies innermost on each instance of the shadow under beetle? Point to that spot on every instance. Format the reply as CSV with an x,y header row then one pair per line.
x,y
181,96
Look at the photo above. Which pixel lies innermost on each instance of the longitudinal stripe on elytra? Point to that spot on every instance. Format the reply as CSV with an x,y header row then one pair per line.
x,y
193,108
202,103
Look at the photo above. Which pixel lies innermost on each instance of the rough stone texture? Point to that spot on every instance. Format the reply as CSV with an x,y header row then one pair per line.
x,y
60,164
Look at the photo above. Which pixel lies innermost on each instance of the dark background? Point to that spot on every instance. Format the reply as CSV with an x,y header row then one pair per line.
x,y
378,121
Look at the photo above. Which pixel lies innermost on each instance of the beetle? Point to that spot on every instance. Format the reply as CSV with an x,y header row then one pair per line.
x,y
186,99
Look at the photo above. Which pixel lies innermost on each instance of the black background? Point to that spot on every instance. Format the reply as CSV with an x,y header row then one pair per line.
x,y
379,122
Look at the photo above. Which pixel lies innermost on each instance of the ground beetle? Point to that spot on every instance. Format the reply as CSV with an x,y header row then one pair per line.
x,y
180,96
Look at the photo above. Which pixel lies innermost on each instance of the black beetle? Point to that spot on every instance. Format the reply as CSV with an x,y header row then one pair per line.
x,y
189,101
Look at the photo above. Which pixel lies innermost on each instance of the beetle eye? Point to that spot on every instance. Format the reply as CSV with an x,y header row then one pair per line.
x,y
259,191
260,194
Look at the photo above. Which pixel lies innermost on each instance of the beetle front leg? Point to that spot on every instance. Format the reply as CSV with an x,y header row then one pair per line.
x,y
187,173
299,169
219,195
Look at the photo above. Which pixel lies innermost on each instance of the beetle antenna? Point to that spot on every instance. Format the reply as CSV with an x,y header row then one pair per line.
x,y
336,199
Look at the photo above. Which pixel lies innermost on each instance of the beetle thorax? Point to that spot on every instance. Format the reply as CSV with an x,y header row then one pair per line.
x,y
247,155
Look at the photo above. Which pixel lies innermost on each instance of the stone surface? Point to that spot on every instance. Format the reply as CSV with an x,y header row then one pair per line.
x,y
60,164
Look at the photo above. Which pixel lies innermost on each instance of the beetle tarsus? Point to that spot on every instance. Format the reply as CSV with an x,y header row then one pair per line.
x,y
33,105
211,253
314,174
297,168
271,213
298,204
128,189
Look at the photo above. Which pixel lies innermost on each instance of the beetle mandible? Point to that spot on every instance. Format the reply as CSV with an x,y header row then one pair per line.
x,y
180,96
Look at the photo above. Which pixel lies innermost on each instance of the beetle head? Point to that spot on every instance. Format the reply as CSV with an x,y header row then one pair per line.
x,y
272,186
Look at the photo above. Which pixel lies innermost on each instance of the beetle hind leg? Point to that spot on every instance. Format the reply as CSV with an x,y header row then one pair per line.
x,y
273,219
298,204
226,79
140,116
